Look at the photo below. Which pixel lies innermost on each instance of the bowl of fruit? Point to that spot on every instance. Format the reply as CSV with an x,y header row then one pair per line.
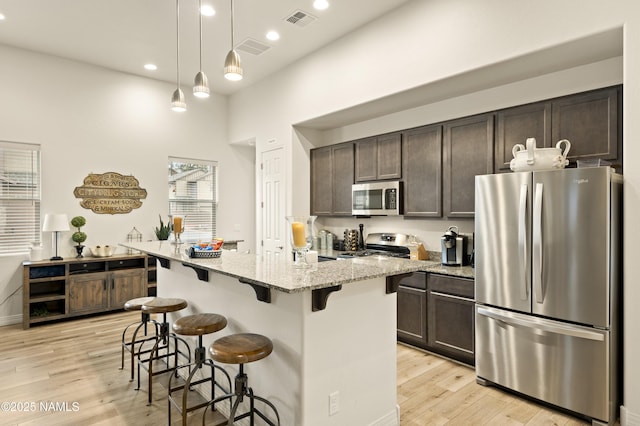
x,y
211,249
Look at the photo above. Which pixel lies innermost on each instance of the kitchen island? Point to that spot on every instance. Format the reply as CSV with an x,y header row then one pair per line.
x,y
333,327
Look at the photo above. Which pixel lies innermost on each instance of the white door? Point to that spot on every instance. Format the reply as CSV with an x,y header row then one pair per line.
x,y
273,175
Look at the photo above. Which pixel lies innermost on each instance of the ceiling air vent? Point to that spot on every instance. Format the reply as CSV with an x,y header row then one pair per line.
x,y
300,18
253,46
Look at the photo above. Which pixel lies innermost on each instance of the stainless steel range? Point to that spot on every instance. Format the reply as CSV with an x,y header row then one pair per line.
x,y
382,244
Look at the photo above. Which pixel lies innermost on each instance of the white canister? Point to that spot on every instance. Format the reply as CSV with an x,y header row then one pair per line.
x,y
323,239
329,241
35,252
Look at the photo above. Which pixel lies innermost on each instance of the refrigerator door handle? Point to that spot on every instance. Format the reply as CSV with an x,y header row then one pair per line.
x,y
541,325
522,239
537,243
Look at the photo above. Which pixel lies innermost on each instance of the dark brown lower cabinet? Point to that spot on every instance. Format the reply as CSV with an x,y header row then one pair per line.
x,y
436,312
450,319
412,309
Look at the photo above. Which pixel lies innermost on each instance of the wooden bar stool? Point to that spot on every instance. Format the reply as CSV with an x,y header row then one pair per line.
x,y
196,325
130,345
162,348
240,349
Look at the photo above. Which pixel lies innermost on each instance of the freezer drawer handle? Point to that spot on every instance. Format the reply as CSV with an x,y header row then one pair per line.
x,y
522,240
551,328
537,244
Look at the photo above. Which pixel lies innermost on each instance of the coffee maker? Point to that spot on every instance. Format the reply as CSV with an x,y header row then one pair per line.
x,y
454,247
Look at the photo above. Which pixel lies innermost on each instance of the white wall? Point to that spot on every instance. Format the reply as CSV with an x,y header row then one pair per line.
x,y
91,120
431,42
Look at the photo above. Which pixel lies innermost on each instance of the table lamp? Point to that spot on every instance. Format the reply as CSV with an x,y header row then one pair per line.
x,y
55,223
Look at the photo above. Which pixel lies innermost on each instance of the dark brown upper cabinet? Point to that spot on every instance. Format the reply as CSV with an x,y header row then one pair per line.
x,y
422,171
331,180
590,121
515,125
468,151
378,158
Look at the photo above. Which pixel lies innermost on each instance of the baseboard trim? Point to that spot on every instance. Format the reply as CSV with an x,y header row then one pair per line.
x,y
627,418
10,320
389,419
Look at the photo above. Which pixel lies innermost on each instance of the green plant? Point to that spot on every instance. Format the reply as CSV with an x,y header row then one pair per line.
x,y
78,237
163,232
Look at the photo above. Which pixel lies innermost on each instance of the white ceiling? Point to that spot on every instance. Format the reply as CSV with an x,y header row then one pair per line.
x,y
125,34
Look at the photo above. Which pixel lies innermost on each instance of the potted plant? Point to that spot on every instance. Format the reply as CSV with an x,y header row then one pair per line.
x,y
79,237
163,232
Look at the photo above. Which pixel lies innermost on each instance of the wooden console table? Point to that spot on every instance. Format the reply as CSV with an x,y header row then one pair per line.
x,y
54,290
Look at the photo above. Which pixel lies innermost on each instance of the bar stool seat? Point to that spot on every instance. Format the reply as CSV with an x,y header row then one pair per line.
x,y
162,305
130,345
196,325
240,349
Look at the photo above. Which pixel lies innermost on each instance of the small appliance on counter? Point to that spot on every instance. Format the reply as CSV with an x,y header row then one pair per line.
x,y
454,247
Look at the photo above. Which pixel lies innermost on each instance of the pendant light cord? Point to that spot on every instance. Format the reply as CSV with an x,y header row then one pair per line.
x,y
200,28
232,46
178,42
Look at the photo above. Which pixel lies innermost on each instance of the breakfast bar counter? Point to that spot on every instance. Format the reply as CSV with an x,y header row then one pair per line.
x,y
333,327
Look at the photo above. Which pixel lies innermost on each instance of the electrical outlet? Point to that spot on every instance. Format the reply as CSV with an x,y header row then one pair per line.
x,y
334,403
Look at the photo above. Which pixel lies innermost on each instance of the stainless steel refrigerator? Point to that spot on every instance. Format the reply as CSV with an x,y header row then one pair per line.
x,y
547,275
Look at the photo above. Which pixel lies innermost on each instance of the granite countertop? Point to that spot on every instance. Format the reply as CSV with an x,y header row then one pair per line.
x,y
432,265
280,274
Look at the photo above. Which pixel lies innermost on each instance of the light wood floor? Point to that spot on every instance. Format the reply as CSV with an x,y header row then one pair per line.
x,y
75,364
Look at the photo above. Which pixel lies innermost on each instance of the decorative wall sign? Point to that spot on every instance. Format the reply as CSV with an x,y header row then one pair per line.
x,y
110,193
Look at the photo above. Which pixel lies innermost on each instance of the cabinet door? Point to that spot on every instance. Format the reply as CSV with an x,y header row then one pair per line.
x,y
590,122
321,181
389,156
412,308
451,317
126,285
412,316
515,125
468,151
88,293
366,160
422,170
343,160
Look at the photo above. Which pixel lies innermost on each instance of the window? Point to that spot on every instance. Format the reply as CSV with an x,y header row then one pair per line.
x,y
193,192
19,197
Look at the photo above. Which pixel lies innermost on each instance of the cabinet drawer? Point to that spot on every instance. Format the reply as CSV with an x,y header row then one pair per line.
x,y
86,267
416,280
125,264
462,287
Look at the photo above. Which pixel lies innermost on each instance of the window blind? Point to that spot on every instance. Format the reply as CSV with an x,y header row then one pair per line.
x,y
193,192
19,197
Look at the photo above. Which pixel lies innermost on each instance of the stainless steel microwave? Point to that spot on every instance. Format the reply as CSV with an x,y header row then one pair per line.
x,y
376,198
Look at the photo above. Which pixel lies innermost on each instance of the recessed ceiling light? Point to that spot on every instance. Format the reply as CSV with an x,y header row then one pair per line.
x,y
273,35
207,10
150,67
321,4
1,17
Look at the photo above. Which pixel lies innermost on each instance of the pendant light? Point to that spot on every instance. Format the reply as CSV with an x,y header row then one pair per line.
x,y
232,65
200,83
177,100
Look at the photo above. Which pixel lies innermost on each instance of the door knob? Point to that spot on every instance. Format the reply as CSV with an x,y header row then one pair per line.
x,y
280,247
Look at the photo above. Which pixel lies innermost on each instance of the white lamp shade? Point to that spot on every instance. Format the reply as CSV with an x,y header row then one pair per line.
x,y
55,222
